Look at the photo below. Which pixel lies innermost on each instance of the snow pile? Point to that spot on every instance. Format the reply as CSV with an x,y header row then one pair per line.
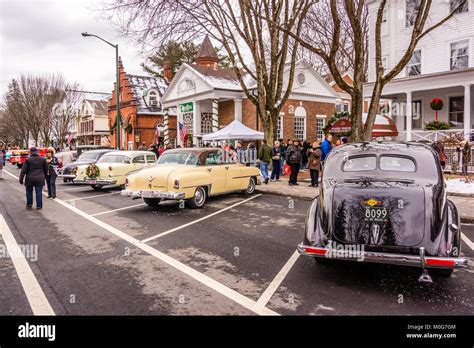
x,y
459,186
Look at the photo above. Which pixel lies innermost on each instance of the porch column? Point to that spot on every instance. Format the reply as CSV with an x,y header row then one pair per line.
x,y
238,109
215,115
409,116
166,123
467,111
196,122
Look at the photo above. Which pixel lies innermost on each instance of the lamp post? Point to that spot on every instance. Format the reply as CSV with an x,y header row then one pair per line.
x,y
117,90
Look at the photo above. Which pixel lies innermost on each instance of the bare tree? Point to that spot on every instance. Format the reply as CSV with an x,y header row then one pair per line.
x,y
355,11
261,54
65,113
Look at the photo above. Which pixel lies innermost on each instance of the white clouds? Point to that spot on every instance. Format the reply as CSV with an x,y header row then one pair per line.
x,y
39,37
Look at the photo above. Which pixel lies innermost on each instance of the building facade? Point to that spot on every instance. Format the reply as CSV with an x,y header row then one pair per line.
x,y
143,118
92,123
207,98
442,66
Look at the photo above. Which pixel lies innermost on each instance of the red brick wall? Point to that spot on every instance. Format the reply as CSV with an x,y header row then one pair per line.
x,y
226,112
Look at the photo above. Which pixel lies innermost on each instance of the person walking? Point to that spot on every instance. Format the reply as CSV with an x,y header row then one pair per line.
x,y
276,158
2,162
314,163
51,174
466,152
35,169
143,147
439,148
283,154
265,157
326,147
293,158
304,154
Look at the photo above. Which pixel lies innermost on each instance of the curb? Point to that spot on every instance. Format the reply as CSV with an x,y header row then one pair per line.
x,y
459,194
467,219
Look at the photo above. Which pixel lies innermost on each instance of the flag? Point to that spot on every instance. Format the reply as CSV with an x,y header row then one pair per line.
x,y
182,132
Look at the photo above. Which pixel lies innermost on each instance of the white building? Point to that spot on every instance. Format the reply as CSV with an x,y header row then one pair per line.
x,y
93,123
442,66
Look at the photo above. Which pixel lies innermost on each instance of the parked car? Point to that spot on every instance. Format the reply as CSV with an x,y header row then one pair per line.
x,y
113,168
389,200
68,172
191,174
8,155
18,157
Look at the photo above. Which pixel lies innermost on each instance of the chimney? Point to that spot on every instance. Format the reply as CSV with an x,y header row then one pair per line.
x,y
167,71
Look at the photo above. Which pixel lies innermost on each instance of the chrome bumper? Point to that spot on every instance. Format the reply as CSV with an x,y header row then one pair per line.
x,y
67,176
388,258
152,194
95,181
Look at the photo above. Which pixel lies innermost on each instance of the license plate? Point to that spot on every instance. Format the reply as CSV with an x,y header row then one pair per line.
x,y
147,194
376,213
92,181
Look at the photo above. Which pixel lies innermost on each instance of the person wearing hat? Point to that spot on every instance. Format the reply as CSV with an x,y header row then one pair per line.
x,y
35,169
314,156
51,175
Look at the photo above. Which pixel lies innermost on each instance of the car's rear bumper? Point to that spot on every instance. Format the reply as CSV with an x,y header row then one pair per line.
x,y
95,181
152,194
387,258
67,176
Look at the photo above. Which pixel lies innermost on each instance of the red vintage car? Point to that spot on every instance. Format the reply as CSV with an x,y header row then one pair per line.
x,y
18,157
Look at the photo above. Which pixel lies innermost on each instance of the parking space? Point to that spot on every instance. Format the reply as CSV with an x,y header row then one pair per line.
x,y
244,249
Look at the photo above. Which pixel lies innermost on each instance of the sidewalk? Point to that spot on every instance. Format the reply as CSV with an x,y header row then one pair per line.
x,y
465,204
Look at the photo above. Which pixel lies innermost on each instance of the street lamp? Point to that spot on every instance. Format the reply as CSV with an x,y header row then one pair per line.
x,y
117,90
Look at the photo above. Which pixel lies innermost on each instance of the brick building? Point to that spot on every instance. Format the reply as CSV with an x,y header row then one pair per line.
x,y
142,114
207,98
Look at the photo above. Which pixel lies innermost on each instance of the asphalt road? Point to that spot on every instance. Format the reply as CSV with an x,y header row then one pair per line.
x,y
100,253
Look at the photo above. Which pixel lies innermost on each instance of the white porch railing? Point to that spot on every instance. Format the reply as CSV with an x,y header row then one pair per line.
x,y
431,135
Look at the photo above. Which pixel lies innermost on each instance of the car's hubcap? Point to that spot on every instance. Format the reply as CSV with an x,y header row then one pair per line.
x,y
251,186
199,196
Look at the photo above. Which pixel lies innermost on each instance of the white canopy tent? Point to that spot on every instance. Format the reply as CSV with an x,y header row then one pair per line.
x,y
234,131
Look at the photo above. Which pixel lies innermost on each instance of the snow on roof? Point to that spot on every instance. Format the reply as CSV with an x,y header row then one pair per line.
x,y
141,85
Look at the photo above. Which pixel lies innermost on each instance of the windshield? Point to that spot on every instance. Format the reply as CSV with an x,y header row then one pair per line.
x,y
87,156
114,159
185,158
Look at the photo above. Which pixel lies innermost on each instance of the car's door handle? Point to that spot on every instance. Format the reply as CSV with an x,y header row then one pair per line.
x,y
209,169
226,167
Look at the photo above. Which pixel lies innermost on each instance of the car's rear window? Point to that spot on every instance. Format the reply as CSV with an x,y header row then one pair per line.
x,y
397,164
114,159
360,163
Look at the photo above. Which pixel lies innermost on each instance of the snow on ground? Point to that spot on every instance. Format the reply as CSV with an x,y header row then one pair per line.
x,y
459,186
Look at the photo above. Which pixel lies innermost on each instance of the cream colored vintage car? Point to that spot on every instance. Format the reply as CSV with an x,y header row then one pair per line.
x,y
114,167
193,175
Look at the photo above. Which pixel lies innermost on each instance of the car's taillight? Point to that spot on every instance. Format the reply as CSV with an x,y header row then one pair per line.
x,y
315,250
110,168
439,262
176,184
126,181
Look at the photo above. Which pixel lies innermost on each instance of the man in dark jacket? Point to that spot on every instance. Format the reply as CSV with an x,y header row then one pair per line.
x,y
35,169
293,158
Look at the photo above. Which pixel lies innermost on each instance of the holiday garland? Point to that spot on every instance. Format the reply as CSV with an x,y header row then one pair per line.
x,y
336,117
92,171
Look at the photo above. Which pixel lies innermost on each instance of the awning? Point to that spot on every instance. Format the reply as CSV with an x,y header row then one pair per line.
x,y
234,131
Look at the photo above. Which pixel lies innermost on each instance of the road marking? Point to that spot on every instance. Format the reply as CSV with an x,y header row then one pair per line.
x,y
111,211
199,220
89,197
275,284
200,277
36,298
467,241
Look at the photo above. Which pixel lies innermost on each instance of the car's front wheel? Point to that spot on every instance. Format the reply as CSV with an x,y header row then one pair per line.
x,y
19,165
250,187
199,198
152,202
97,187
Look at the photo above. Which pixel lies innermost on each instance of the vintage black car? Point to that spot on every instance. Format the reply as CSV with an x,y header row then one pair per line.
x,y
385,202
68,172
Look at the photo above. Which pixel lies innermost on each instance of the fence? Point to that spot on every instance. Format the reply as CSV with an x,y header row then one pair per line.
x,y
454,160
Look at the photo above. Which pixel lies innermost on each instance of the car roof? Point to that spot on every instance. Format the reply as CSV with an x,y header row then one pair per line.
x,y
193,149
405,148
98,151
131,153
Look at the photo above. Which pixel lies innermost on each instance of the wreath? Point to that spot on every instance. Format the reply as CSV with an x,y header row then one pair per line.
x,y
336,117
92,171
436,104
128,128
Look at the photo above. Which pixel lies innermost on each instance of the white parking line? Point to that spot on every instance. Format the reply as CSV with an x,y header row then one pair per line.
x,y
270,290
111,211
36,298
89,197
467,241
198,220
200,277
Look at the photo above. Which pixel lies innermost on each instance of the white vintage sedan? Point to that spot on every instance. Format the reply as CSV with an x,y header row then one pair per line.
x,y
114,167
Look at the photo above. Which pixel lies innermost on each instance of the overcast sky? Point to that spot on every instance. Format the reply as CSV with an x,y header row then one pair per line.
x,y
39,37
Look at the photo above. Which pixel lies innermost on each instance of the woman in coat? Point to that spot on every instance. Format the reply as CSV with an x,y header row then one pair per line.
x,y
276,157
51,175
314,163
